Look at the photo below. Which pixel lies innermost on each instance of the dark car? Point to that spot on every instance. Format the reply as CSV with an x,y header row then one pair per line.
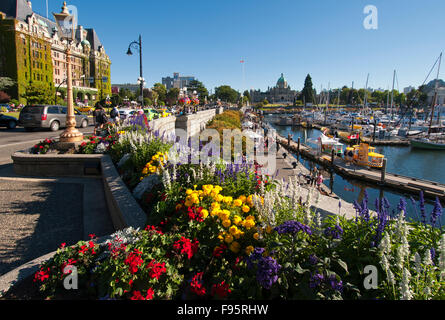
x,y
46,116
8,121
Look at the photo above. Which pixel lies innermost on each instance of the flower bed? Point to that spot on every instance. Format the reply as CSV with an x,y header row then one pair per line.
x,y
217,231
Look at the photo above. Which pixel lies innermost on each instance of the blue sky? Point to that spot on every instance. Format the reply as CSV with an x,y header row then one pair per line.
x,y
326,38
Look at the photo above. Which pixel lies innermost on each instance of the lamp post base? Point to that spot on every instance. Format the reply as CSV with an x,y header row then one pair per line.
x,y
71,135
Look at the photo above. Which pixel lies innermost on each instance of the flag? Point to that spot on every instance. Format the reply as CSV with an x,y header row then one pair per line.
x,y
242,61
352,137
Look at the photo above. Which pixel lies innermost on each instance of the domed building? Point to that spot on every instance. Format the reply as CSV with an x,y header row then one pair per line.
x,y
280,94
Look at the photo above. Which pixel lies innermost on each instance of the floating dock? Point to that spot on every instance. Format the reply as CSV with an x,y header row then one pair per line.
x,y
377,177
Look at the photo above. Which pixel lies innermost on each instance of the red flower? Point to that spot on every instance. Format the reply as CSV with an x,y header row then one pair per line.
x,y
83,249
41,147
92,236
186,246
138,296
195,214
157,269
196,285
221,290
41,275
134,261
219,250
70,262
62,245
153,228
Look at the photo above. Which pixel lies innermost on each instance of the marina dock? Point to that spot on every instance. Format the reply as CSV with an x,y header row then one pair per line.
x,y
381,178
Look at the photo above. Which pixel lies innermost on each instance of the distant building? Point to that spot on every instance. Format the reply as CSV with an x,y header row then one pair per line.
x,y
280,94
440,100
177,81
408,89
116,88
32,52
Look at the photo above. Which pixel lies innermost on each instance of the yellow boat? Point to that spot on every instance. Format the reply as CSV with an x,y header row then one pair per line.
x,y
364,155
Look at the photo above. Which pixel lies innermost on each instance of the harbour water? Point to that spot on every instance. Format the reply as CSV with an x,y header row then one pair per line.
x,y
401,160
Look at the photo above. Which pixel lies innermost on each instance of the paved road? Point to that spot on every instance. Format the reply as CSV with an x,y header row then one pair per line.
x,y
19,139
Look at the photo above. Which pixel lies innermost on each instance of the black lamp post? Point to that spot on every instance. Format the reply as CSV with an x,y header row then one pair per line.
x,y
138,45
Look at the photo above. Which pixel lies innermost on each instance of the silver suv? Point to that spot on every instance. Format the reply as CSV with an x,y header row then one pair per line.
x,y
45,116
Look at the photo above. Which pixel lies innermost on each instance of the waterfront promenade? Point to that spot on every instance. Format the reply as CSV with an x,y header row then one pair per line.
x,y
328,203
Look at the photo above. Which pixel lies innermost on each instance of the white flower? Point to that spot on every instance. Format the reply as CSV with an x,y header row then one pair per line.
x,y
385,244
405,290
442,257
427,258
391,278
418,262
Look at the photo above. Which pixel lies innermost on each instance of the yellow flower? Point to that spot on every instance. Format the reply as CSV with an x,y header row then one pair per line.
x,y
227,200
144,171
237,220
226,223
215,212
235,247
219,198
189,191
249,250
246,209
250,218
188,203
178,206
268,229
256,236
204,213
237,203
248,224
233,230
242,198
215,205
224,215
228,239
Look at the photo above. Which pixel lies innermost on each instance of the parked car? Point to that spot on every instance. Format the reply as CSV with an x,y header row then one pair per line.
x,y
151,114
8,121
47,116
164,113
125,113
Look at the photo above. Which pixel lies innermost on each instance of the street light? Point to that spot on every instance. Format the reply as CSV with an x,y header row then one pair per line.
x,y
67,27
138,45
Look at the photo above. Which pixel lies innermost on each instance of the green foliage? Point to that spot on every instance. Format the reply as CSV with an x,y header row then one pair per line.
x,y
227,94
37,93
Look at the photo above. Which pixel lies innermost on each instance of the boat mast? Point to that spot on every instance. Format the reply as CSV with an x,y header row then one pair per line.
x,y
365,103
392,92
435,95
327,104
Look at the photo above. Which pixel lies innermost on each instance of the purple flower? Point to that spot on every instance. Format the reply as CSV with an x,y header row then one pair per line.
x,y
402,205
422,207
334,232
335,284
316,280
293,226
433,254
436,213
267,268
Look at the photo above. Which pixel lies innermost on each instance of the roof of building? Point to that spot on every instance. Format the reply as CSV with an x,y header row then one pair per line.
x,y
18,9
282,82
93,39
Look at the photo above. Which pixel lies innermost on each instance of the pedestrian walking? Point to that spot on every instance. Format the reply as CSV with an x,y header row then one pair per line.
x,y
114,115
314,176
101,119
319,181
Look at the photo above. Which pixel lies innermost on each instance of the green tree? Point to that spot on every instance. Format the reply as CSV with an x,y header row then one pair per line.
x,y
6,83
172,96
246,94
161,90
308,93
148,102
37,93
227,94
200,89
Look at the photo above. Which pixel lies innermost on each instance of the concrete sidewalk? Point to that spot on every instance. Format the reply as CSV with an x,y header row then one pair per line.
x,y
37,215
328,203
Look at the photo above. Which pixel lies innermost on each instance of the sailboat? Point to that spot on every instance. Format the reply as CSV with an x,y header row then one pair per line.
x,y
427,142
